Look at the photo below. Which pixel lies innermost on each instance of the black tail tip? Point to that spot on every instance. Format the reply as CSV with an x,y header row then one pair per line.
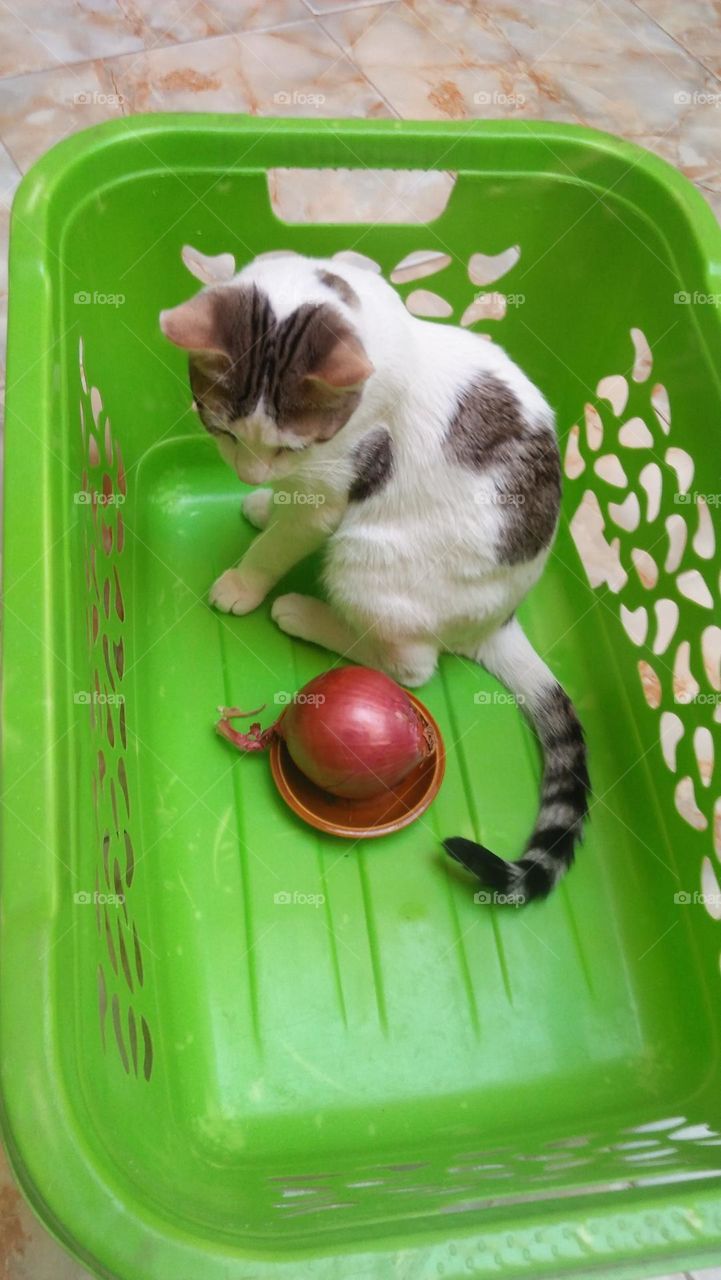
x,y
490,869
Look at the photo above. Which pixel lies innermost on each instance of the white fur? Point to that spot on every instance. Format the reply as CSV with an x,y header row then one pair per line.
x,y
411,570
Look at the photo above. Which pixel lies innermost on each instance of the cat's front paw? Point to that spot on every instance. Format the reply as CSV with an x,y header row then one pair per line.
x,y
293,614
257,507
233,592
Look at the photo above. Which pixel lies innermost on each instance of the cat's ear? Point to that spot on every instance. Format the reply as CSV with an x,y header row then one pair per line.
x,y
217,269
343,367
194,324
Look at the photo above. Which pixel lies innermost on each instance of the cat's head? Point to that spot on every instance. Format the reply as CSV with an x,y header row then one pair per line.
x,y
276,362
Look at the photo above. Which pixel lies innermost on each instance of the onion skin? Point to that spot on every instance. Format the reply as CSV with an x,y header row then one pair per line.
x,y
353,731
361,740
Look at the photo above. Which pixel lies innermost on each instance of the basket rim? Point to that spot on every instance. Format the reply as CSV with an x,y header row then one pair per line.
x,y
82,1194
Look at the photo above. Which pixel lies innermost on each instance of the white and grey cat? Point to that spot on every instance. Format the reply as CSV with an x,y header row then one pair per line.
x,y
424,462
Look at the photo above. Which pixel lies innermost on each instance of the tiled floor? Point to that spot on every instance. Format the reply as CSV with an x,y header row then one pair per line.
x,y
648,70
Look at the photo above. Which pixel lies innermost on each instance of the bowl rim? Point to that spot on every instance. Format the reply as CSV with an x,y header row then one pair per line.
x,y
279,752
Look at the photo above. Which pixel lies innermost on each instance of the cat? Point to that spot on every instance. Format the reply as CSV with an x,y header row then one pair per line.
x,y
425,462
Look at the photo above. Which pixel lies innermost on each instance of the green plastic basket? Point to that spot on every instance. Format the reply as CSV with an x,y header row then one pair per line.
x,y
234,1048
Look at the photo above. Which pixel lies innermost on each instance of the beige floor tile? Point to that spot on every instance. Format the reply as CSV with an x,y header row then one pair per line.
x,y
450,69
9,179
158,22
29,1252
294,70
696,24
40,109
332,6
35,34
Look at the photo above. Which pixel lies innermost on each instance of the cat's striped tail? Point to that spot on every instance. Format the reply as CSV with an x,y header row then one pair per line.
x,y
565,788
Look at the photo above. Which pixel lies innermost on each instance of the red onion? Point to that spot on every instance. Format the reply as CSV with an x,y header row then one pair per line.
x,y
352,731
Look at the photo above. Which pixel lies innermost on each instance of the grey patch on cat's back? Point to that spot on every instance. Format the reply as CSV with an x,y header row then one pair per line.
x,y
373,465
339,287
490,432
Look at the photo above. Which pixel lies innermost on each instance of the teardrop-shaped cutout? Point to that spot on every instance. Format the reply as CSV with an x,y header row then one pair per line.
x,y
96,404
685,800
486,268
677,534
704,752
119,1035
671,733
650,480
133,1039
650,684
422,302
667,614
147,1049
643,360
711,654
635,623
704,540
645,566
417,265
573,463
710,890
609,468
614,389
489,306
692,586
594,427
358,260
634,434
626,514
661,407
685,685
682,464
81,365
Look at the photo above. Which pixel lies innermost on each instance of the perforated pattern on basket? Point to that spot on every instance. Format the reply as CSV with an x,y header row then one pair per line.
x,y
643,1155
646,534
120,972
482,269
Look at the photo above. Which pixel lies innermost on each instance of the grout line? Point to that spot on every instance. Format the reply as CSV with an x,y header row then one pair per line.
x,y
684,48
387,6
360,4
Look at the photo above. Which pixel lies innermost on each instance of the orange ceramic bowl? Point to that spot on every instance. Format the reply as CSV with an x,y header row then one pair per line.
x,y
361,819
